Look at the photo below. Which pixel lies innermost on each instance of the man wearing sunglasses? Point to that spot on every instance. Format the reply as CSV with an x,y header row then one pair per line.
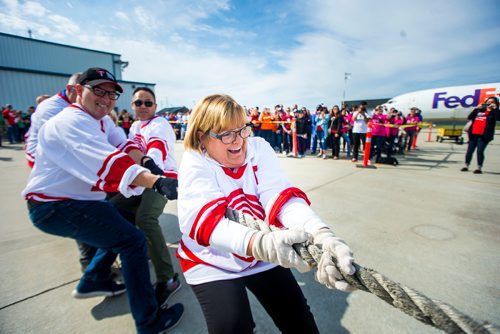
x,y
80,157
156,139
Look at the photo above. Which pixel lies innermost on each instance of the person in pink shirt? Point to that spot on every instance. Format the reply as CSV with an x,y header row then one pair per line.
x,y
378,133
392,132
347,131
411,131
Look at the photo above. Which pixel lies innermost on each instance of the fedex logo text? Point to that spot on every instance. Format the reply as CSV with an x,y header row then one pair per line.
x,y
466,101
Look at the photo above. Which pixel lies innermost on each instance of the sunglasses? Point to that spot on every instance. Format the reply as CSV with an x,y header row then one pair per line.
x,y
139,103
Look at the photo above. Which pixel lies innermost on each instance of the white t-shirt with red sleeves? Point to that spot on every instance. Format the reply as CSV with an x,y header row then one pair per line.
x,y
81,158
156,139
214,248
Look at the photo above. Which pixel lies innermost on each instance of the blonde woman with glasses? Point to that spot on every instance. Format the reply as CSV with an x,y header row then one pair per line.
x,y
224,169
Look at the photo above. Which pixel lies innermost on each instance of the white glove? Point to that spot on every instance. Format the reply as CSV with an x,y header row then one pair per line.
x,y
276,247
327,273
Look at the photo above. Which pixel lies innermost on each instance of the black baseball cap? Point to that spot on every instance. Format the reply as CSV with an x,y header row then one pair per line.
x,y
95,76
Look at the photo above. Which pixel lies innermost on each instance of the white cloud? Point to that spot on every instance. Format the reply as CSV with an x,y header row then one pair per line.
x,y
122,16
34,8
63,25
145,18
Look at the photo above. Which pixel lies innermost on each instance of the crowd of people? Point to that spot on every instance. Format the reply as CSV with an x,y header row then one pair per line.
x,y
336,129
14,124
326,130
103,178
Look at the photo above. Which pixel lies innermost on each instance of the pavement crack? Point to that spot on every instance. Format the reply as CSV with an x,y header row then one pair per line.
x,y
38,294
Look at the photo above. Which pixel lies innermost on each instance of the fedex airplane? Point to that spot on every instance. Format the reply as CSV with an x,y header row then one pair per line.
x,y
441,104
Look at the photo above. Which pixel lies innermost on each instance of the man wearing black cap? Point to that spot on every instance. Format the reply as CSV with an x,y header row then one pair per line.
x,y
47,109
80,157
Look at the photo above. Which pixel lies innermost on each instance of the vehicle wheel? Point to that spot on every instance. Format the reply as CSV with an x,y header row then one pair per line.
x,y
440,139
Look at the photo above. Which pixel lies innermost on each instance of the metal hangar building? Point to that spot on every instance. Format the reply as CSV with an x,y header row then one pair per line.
x,y
31,67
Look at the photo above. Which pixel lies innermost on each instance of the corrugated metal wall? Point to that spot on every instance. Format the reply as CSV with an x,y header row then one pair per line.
x,y
31,54
30,67
21,88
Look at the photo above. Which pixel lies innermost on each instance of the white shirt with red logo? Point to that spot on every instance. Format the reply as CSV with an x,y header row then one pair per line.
x,y
156,139
81,158
214,248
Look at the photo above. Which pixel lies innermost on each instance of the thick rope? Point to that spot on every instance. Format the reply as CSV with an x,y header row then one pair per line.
x,y
431,312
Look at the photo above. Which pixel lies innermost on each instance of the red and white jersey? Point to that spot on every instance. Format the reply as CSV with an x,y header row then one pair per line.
x,y
44,111
212,247
81,158
156,139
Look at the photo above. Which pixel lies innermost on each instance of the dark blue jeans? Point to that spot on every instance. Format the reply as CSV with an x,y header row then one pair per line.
x,y
99,224
314,142
268,136
479,143
410,134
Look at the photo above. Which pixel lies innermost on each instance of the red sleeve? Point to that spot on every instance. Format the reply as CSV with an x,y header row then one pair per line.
x,y
283,197
158,144
202,229
112,171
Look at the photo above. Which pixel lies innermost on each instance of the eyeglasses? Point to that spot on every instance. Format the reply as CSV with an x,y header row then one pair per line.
x,y
229,136
102,92
139,103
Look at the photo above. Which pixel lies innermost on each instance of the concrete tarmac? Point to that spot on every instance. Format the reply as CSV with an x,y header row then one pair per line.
x,y
423,224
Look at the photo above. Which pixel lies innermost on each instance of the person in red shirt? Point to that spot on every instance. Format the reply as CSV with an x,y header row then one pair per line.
x,y
481,132
126,121
254,119
9,116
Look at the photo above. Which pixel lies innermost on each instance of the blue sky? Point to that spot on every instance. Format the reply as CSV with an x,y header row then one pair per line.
x,y
278,52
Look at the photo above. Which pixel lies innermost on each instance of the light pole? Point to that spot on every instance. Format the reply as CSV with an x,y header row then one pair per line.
x,y
346,76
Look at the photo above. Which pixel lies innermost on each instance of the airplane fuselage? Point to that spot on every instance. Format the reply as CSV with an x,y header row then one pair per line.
x,y
448,103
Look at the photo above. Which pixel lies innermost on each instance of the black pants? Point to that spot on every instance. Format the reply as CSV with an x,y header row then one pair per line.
x,y
479,143
390,145
335,145
287,142
358,139
377,146
226,306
